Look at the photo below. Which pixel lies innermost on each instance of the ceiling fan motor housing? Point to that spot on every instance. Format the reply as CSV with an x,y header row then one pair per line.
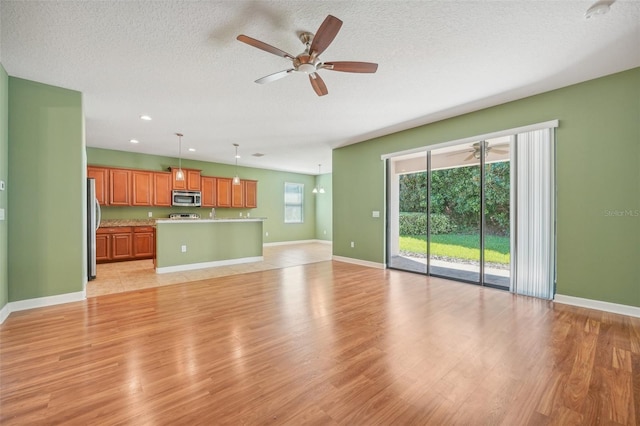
x,y
305,63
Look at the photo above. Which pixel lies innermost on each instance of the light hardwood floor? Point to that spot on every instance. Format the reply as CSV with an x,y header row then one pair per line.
x,y
322,343
135,275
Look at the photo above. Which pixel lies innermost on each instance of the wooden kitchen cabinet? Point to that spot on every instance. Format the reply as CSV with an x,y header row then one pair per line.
x,y
191,180
237,195
162,189
119,187
141,188
117,243
101,175
223,192
114,243
208,188
144,246
103,247
250,193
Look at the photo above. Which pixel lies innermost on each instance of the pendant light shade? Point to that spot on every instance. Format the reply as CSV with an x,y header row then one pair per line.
x,y
236,178
179,173
318,189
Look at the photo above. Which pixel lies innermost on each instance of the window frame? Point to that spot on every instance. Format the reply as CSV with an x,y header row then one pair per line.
x,y
288,204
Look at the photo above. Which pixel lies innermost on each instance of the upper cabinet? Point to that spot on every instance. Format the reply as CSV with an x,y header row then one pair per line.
x,y
191,180
223,192
245,195
119,189
130,187
162,189
141,188
208,187
250,193
237,195
101,175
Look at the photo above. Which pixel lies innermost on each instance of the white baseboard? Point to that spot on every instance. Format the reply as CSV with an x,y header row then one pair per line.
x,y
4,313
41,302
213,264
359,262
632,311
286,243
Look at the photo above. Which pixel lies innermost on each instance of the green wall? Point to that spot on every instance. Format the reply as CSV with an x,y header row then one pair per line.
x,y
270,193
598,174
47,191
324,207
207,242
4,174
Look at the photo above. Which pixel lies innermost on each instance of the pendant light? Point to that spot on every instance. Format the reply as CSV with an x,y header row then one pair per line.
x,y
318,189
180,173
236,178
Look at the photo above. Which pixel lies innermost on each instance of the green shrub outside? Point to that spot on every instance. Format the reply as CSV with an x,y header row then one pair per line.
x,y
416,224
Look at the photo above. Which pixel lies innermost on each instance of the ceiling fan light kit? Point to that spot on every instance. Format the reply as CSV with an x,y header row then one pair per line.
x,y
308,62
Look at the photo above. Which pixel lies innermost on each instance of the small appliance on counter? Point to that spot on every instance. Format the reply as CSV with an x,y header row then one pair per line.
x,y
184,216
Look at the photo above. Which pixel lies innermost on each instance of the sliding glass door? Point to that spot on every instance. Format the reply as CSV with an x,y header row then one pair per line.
x,y
497,212
455,201
449,212
407,233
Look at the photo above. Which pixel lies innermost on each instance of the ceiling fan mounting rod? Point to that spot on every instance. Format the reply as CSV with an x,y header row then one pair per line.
x,y
306,38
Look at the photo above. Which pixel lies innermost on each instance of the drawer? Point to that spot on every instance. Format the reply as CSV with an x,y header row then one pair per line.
x,y
143,229
114,230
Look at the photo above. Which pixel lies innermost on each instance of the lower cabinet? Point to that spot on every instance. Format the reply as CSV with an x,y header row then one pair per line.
x,y
118,243
143,242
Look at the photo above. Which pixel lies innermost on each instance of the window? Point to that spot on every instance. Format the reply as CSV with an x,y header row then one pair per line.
x,y
293,201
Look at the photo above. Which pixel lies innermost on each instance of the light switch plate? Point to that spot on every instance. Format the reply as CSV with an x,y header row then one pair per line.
x,y
375,213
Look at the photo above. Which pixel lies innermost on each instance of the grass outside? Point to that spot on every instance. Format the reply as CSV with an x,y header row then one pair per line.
x,y
459,246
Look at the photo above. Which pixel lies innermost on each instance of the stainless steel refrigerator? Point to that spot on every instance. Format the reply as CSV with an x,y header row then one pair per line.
x,y
93,222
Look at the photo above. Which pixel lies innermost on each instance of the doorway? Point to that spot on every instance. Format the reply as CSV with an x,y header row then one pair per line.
x,y
450,212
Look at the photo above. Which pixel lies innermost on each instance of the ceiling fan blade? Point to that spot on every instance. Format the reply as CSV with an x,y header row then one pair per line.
x,y
346,66
263,46
325,35
469,157
499,151
318,84
275,76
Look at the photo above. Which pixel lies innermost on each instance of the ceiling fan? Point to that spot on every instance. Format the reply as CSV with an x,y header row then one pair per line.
x,y
309,62
474,152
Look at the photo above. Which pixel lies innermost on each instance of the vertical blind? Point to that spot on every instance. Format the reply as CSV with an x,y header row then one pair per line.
x,y
533,269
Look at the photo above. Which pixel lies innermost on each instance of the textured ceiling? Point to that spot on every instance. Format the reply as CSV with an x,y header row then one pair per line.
x,y
180,63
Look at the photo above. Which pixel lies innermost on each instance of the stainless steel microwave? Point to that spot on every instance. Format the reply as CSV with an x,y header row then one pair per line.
x,y
186,198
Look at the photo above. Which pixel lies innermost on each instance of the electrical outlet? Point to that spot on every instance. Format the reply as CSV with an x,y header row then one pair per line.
x,y
150,214
375,213
324,232
353,244
266,234
183,249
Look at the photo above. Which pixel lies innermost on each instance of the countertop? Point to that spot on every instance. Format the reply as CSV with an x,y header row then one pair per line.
x,y
213,220
112,223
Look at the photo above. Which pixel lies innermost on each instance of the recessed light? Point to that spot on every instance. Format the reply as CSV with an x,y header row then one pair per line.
x,y
145,118
134,141
192,150
597,10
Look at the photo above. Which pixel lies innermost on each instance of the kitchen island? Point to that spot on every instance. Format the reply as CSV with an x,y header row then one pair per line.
x,y
187,244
